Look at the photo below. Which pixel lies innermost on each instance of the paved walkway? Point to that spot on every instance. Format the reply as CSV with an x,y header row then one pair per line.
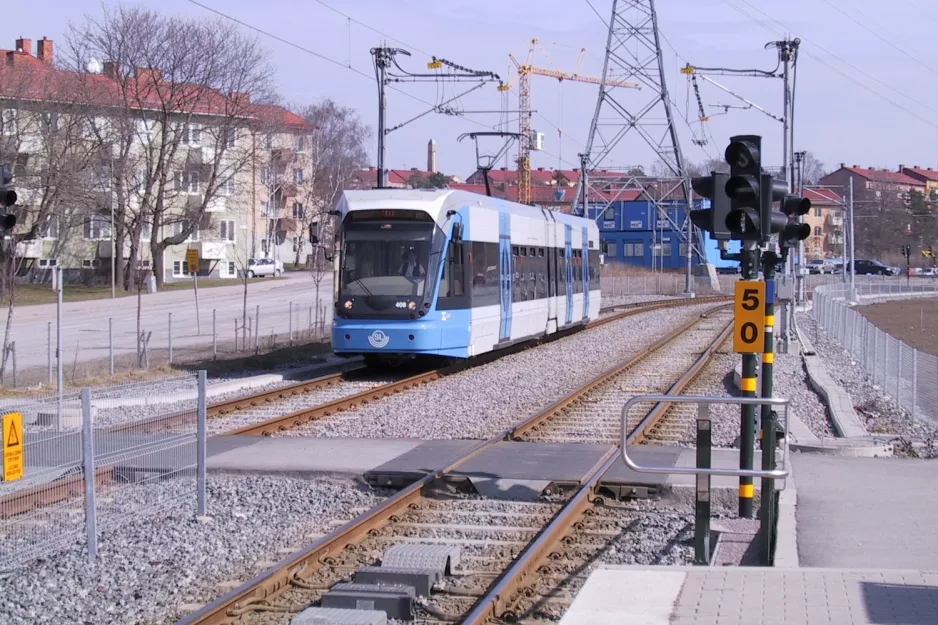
x,y
751,596
866,512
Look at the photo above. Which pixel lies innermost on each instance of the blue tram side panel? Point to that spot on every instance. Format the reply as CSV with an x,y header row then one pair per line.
x,y
407,285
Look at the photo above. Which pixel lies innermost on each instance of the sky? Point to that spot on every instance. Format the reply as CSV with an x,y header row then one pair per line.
x,y
863,93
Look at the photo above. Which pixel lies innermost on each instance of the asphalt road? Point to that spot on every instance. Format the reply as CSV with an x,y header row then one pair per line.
x,y
85,324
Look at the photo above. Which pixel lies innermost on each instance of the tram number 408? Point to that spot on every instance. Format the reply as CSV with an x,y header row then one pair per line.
x,y
749,318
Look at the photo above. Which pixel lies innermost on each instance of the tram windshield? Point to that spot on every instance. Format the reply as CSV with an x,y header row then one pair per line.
x,y
386,260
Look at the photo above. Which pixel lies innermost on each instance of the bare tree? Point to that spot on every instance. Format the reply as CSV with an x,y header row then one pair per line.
x,y
813,169
338,152
182,91
45,139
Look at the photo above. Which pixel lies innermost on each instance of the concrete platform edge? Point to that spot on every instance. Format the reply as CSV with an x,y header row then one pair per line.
x,y
786,545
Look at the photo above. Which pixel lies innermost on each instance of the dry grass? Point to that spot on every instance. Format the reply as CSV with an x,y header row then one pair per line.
x,y
623,270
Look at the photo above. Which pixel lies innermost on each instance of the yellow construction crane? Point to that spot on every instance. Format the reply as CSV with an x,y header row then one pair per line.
x,y
525,71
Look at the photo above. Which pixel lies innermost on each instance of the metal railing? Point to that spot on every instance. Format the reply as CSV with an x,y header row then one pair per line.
x,y
703,470
100,458
908,376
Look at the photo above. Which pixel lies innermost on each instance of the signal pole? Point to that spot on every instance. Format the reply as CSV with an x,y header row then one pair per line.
x,y
747,386
767,511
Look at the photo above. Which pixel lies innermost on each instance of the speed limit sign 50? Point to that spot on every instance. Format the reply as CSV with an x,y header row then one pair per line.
x,y
749,318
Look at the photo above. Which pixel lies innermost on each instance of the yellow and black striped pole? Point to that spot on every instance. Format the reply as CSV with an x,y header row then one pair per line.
x,y
747,386
768,506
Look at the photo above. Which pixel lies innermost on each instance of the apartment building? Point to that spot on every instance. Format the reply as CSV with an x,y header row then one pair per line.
x,y
826,219
106,161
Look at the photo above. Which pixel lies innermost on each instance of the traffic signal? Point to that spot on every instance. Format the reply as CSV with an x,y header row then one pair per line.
x,y
7,199
751,191
713,219
791,232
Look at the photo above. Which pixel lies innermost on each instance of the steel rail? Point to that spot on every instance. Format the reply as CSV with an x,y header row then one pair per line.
x,y
497,602
270,582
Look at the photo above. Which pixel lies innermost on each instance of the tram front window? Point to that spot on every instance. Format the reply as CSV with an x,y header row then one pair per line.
x,y
384,264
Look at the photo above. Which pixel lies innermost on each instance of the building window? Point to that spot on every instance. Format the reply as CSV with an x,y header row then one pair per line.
x,y
265,246
609,214
226,230
146,230
229,187
611,249
817,231
231,137
180,268
188,182
52,227
231,268
180,226
97,228
817,211
298,212
48,262
297,176
8,122
265,175
191,134
299,143
89,263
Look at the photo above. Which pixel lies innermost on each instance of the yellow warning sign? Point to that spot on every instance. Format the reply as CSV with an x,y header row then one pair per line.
x,y
192,260
14,462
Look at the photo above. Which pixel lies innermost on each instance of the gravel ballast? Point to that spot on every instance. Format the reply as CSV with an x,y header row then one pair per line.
x,y
880,414
150,566
480,402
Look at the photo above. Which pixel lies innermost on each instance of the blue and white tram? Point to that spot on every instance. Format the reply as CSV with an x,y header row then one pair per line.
x,y
439,272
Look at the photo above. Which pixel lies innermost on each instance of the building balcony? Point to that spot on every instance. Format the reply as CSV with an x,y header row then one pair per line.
x,y
29,249
835,239
211,250
281,156
836,221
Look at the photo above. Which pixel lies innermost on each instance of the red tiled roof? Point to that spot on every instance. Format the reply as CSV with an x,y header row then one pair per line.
x,y
920,173
822,195
25,77
886,176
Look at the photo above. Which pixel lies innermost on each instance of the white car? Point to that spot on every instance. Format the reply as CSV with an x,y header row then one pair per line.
x,y
819,265
264,267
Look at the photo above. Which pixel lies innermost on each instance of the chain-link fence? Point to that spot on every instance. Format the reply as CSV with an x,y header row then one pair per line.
x,y
100,347
909,376
99,458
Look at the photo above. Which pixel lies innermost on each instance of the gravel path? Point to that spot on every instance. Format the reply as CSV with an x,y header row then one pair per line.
x,y
146,569
880,413
479,402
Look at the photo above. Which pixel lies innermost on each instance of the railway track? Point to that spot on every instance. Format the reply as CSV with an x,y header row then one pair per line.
x,y
270,411
503,546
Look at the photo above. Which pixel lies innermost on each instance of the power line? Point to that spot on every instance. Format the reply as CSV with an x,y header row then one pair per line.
x,y
375,30
330,60
880,37
837,70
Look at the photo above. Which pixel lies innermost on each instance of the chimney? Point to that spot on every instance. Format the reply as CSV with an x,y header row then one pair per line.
x,y
11,57
843,166
112,69
24,45
240,98
148,74
431,156
503,168
414,169
44,50
855,166
901,167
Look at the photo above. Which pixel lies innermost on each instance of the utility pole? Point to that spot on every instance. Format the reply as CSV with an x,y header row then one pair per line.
x,y
853,275
385,58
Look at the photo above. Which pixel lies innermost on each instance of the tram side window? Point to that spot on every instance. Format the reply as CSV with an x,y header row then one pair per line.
x,y
516,289
452,287
577,269
484,274
541,274
594,269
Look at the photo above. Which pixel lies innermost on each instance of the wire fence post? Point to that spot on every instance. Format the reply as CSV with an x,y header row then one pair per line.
x,y
200,441
170,329
899,374
291,324
110,344
257,329
215,338
87,452
49,350
914,381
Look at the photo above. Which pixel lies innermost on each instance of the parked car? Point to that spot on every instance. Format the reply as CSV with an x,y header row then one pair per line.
x,y
732,270
264,267
820,266
872,267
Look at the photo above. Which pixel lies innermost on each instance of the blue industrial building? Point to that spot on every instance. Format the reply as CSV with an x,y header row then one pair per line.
x,y
638,233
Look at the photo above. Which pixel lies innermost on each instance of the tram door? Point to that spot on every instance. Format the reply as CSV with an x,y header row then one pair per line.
x,y
504,287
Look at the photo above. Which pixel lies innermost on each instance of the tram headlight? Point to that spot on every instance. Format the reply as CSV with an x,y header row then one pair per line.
x,y
412,305
348,304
